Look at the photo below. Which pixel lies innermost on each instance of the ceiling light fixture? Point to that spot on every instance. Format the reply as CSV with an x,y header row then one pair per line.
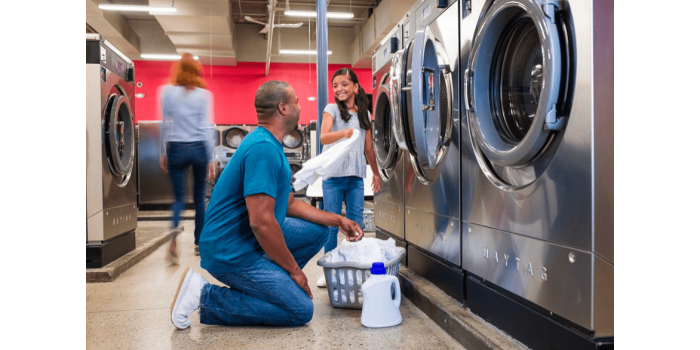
x,y
138,8
300,52
338,15
155,56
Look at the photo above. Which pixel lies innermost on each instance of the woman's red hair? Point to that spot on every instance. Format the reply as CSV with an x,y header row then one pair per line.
x,y
187,71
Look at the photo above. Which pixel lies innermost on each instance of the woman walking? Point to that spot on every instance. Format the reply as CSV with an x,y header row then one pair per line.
x,y
186,108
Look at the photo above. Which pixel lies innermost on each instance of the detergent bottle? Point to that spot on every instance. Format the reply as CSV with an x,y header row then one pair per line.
x,y
381,295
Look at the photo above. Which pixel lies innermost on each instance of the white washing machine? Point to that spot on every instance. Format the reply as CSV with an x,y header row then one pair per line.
x,y
389,201
231,138
111,181
539,243
293,143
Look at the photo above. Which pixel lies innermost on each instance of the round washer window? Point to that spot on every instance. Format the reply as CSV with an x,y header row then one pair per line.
x,y
293,140
384,142
234,136
517,79
516,88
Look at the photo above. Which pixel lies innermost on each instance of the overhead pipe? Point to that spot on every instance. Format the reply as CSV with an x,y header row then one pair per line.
x,y
271,20
321,64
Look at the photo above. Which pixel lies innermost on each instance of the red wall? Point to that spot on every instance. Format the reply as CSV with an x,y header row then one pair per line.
x,y
234,87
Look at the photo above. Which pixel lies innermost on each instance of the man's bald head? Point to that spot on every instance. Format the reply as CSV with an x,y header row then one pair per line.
x,y
269,96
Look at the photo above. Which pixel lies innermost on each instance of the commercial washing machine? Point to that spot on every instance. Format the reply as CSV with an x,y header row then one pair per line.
x,y
293,144
429,104
539,246
389,201
111,182
232,135
231,138
155,185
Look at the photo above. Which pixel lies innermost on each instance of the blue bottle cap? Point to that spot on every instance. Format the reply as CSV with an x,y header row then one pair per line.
x,y
378,269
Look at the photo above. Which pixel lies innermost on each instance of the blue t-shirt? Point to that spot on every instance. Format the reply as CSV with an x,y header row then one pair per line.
x,y
258,166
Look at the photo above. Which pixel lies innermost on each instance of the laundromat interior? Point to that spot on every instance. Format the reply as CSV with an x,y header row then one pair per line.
x,y
492,130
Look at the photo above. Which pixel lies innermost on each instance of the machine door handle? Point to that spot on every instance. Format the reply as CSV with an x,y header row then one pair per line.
x,y
119,125
429,73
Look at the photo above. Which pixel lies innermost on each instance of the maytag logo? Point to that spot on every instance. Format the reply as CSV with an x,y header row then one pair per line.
x,y
506,259
122,219
384,215
425,229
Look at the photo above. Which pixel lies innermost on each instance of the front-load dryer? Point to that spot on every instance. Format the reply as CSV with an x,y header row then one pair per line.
x,y
231,138
389,201
539,91
429,107
293,144
111,181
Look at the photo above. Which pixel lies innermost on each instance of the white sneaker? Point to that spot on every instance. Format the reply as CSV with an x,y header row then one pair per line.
x,y
186,298
321,281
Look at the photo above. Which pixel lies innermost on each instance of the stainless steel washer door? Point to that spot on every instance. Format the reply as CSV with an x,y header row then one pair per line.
x,y
513,84
397,78
385,146
119,137
430,127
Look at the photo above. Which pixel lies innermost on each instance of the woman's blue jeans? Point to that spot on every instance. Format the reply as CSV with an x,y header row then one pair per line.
x,y
350,189
262,293
182,155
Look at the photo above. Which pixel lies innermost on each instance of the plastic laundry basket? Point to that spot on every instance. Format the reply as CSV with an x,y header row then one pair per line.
x,y
344,279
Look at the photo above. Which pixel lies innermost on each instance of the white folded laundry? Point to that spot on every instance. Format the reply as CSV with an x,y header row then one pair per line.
x,y
367,251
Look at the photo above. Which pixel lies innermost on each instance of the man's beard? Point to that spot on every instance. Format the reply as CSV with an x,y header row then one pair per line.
x,y
293,127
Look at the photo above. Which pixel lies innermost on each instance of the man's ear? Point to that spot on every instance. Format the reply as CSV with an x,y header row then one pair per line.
x,y
282,108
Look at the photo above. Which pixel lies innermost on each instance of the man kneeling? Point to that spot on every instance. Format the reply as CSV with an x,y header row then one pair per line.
x,y
256,236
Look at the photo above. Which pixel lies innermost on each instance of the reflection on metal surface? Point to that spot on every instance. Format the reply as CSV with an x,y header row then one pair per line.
x,y
506,51
535,270
434,233
389,201
540,213
155,185
433,193
430,128
110,188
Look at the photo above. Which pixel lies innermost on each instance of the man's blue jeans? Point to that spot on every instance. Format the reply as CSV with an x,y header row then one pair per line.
x,y
350,189
182,155
262,293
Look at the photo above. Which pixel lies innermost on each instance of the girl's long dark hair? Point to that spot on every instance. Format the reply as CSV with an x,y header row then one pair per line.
x,y
361,101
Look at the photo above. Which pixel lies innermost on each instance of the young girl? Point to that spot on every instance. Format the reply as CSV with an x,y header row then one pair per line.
x,y
349,112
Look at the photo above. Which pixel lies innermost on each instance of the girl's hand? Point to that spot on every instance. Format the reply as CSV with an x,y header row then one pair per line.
x,y
376,183
348,132
164,164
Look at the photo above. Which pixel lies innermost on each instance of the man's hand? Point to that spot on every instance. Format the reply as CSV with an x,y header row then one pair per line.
x,y
350,229
300,278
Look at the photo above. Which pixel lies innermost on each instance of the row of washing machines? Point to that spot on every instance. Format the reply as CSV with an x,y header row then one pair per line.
x,y
154,190
122,168
494,140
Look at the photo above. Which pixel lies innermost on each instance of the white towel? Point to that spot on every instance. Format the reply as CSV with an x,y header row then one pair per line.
x,y
325,164
367,251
